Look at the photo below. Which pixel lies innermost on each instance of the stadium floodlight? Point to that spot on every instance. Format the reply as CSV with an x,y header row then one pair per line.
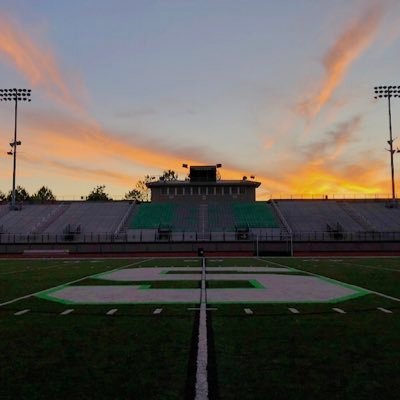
x,y
15,95
389,92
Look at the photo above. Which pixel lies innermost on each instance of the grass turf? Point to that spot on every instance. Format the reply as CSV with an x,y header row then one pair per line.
x,y
95,357
330,356
272,353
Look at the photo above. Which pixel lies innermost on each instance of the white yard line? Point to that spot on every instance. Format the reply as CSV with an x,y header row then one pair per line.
x,y
385,310
69,283
294,310
351,284
248,311
339,310
157,311
202,348
112,311
66,312
22,312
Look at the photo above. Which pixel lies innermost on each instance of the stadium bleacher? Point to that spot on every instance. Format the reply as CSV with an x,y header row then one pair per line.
x,y
255,215
93,217
315,215
152,215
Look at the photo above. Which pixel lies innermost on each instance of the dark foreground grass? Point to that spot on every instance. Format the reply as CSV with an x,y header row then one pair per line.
x,y
94,357
352,356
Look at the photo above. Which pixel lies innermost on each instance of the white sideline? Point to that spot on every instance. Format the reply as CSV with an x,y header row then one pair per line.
x,y
69,283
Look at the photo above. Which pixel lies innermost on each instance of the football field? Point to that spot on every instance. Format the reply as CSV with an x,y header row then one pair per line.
x,y
277,328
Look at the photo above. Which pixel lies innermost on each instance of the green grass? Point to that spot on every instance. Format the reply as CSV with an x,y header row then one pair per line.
x,y
274,354
94,357
330,356
229,284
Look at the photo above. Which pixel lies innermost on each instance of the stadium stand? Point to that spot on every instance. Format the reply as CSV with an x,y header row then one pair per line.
x,y
93,217
25,221
378,216
152,215
255,215
221,217
315,216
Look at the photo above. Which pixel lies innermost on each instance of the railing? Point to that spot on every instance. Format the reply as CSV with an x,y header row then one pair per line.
x,y
154,236
327,196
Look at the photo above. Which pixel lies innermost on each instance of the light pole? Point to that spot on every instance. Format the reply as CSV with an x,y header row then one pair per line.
x,y
15,95
389,92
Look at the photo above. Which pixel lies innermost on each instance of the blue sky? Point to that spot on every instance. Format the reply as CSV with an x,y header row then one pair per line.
x,y
278,89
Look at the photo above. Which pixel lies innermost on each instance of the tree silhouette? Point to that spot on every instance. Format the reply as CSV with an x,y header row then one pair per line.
x,y
98,194
20,194
133,194
43,194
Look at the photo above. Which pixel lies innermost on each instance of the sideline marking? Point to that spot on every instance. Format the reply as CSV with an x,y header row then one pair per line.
x,y
157,311
112,311
336,280
339,310
294,310
248,311
385,310
68,283
30,269
66,312
372,267
22,312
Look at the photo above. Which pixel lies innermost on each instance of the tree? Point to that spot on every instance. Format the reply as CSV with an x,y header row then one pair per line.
x,y
133,194
142,193
43,194
169,175
143,189
98,194
2,196
20,194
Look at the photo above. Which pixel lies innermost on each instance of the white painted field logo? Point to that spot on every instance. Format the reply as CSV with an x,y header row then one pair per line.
x,y
266,285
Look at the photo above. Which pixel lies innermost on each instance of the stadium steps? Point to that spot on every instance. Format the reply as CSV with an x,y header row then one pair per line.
x,y
359,218
50,218
124,224
285,227
203,218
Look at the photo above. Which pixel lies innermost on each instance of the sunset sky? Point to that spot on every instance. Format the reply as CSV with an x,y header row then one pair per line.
x,y
282,90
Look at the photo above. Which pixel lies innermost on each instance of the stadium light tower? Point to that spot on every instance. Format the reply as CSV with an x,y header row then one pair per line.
x,y
389,92
15,95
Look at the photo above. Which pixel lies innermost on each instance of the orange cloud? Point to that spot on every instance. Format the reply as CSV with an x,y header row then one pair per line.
x,y
349,45
81,149
37,64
